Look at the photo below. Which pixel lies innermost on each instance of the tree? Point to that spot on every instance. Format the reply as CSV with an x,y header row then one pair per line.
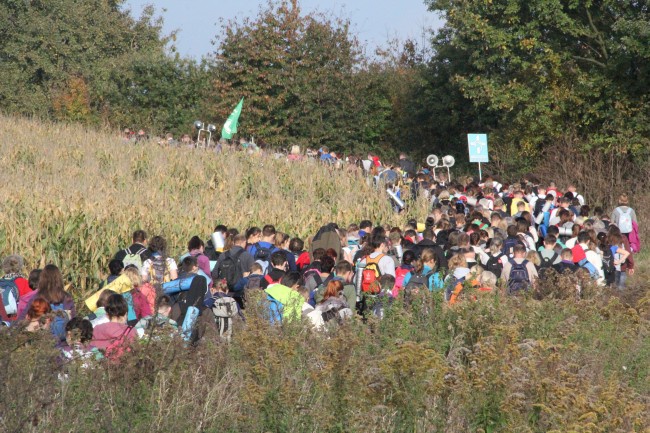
x,y
545,69
295,72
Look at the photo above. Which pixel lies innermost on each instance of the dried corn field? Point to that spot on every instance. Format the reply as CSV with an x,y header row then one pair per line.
x,y
72,196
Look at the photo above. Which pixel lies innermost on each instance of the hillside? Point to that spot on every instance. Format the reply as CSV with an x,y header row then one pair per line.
x,y
549,362
73,196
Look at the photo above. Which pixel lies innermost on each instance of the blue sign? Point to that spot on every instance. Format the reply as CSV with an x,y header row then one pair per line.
x,y
478,147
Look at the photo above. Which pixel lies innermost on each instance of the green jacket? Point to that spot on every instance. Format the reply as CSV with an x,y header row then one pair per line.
x,y
290,299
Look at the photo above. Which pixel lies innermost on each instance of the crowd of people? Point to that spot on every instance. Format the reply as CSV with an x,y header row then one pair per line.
x,y
479,238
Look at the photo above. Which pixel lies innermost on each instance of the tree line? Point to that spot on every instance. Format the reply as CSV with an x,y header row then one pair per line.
x,y
535,75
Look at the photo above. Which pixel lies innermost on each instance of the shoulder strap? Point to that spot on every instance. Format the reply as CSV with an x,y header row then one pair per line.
x,y
375,260
142,250
127,251
239,253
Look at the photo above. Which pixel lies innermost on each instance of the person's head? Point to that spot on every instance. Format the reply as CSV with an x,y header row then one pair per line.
x,y
253,235
519,251
334,287
190,264
158,244
365,225
13,264
408,257
457,261
103,297
239,240
115,267
291,279
139,237
428,258
116,308
564,202
344,271
522,225
496,245
134,275
379,244
50,285
583,237
318,254
534,258
33,278
281,240
566,255
623,200
220,286
256,268
428,234
512,230
279,260
268,233
295,149
195,243
39,308
78,331
327,263
296,245
550,241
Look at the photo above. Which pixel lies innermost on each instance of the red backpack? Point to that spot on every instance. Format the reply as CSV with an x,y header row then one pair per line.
x,y
370,274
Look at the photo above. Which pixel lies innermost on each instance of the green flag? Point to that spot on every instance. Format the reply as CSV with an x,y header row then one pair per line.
x,y
230,127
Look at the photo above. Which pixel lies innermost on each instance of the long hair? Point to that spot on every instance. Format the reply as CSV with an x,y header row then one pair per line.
x,y
50,285
333,289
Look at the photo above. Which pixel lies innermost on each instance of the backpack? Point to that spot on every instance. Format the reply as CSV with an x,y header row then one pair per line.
x,y
419,281
586,264
230,268
609,268
61,318
494,265
159,271
509,245
370,274
9,291
625,220
400,273
315,274
452,285
133,259
253,282
224,309
539,206
546,262
518,279
263,256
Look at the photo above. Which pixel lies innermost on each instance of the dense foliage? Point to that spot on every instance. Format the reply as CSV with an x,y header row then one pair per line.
x,y
535,75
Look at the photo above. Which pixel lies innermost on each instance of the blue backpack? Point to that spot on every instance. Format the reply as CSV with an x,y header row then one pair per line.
x,y
61,318
9,292
131,309
586,264
518,279
275,310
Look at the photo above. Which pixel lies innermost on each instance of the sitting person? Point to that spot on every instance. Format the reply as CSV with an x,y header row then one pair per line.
x,y
113,336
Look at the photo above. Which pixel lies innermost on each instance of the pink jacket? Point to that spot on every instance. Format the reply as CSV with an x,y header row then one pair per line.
x,y
113,338
635,240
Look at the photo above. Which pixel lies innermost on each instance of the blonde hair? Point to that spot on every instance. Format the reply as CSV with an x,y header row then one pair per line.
x,y
533,257
295,149
134,275
457,261
623,200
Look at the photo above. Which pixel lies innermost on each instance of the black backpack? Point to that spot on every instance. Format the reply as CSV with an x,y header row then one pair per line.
x,y
609,268
518,280
419,281
230,268
263,255
509,245
546,262
494,265
539,206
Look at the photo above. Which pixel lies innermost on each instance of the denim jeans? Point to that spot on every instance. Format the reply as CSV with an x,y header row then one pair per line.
x,y
621,277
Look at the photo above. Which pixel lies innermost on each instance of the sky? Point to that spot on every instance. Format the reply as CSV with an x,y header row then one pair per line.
x,y
373,21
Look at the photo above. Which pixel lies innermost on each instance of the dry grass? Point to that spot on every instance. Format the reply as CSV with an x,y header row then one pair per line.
x,y
73,196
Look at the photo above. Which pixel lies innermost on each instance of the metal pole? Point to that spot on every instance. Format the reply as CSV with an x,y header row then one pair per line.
x,y
448,175
480,174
